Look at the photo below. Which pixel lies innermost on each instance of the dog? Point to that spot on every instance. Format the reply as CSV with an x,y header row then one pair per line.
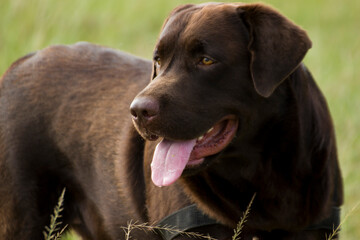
x,y
224,117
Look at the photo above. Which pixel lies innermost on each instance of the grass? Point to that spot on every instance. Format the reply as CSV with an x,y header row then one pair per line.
x,y
153,228
53,231
336,230
133,26
241,223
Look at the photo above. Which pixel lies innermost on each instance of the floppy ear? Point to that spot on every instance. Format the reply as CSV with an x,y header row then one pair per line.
x,y
277,46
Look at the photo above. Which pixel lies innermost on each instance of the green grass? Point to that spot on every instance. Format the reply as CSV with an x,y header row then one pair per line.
x,y
133,26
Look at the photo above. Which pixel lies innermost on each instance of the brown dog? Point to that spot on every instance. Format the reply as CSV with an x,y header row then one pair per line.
x,y
231,111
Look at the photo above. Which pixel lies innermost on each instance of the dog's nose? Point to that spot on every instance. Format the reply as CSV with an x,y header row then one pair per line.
x,y
144,109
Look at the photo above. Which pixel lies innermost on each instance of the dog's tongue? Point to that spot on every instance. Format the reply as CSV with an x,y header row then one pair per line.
x,y
170,159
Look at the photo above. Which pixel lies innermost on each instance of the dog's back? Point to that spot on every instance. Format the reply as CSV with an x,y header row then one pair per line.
x,y
51,102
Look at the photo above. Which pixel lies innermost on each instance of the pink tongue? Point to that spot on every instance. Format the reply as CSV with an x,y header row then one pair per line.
x,y
170,159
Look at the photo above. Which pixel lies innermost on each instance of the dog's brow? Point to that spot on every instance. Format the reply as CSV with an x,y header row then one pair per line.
x,y
165,45
156,53
195,46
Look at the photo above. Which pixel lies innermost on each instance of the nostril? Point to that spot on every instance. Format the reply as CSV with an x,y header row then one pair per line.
x,y
133,113
146,114
150,110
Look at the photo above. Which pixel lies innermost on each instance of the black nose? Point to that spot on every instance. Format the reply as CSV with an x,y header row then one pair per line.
x,y
144,109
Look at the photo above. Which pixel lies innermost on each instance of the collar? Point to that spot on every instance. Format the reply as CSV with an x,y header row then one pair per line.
x,y
191,217
185,219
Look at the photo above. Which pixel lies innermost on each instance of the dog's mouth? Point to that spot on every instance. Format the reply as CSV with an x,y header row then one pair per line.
x,y
172,157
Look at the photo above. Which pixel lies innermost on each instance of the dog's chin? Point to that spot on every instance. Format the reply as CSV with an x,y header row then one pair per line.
x,y
175,158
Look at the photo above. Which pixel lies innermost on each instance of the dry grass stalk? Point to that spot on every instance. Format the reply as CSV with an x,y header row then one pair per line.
x,y
240,225
53,232
337,230
151,228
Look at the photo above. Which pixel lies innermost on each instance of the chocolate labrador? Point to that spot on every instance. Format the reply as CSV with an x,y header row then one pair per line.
x,y
230,111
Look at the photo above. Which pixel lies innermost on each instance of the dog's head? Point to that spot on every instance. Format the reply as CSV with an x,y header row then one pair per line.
x,y
212,64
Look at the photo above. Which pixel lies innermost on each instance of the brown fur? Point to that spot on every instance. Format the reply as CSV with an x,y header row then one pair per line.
x,y
65,122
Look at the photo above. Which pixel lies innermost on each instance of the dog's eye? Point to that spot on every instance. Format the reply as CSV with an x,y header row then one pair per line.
x,y
157,61
206,61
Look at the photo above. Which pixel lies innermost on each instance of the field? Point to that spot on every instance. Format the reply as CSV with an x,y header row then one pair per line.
x,y
133,26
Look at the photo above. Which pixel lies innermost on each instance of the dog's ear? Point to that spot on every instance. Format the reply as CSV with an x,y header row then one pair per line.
x,y
276,44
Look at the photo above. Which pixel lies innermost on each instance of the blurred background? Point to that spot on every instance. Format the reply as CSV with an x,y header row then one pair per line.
x,y
133,26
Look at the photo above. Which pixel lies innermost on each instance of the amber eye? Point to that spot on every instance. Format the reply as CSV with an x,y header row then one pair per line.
x,y
157,61
206,61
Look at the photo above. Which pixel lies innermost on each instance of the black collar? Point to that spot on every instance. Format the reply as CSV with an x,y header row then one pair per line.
x,y
191,217
185,219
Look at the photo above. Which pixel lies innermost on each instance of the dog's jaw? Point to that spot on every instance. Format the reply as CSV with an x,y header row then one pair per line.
x,y
172,157
216,138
